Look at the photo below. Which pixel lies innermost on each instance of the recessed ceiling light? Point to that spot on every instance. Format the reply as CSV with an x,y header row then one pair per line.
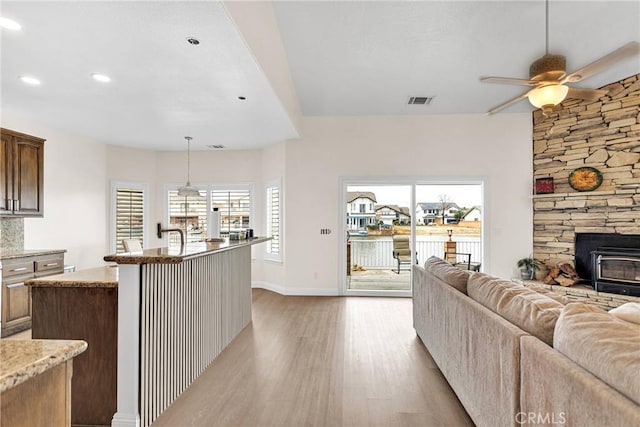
x,y
9,24
29,80
194,41
101,77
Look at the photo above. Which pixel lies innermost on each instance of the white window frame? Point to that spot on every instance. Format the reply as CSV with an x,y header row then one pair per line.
x,y
208,188
268,256
144,187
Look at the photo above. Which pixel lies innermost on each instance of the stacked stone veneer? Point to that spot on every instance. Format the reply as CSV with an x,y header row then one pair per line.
x,y
604,134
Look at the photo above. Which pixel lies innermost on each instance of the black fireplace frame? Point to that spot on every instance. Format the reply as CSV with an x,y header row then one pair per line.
x,y
585,243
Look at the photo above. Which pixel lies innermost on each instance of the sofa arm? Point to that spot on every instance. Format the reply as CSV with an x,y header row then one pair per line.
x,y
556,391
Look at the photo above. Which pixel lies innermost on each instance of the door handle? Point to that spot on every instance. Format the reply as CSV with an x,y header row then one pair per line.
x,y
18,269
51,264
16,206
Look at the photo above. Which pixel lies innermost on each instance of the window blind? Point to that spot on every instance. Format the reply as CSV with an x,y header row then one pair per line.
x,y
273,220
129,216
188,214
234,207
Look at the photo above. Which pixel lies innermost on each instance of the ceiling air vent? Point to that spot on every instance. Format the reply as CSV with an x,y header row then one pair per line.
x,y
215,146
420,100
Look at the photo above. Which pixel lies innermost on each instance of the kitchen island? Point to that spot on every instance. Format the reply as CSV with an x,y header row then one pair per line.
x,y
83,306
35,381
177,310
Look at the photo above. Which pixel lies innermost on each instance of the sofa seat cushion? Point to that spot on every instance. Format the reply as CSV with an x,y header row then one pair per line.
x,y
448,273
603,344
530,311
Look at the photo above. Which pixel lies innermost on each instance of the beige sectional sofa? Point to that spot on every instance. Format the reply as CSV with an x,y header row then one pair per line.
x,y
514,356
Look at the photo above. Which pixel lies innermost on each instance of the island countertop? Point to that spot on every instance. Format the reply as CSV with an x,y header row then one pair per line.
x,y
21,360
177,255
100,277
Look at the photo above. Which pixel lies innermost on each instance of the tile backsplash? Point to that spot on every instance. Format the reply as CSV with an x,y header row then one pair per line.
x,y
11,233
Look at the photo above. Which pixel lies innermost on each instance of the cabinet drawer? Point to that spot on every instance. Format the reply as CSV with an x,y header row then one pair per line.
x,y
50,264
18,267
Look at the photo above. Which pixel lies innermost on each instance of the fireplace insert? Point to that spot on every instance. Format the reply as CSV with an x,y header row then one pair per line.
x,y
616,270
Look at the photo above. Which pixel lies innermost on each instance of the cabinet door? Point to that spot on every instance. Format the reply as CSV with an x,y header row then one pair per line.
x,y
6,172
17,303
28,176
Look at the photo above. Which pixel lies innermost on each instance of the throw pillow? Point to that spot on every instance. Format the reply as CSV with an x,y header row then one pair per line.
x,y
629,312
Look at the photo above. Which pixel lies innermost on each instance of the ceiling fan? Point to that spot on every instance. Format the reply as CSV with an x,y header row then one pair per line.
x,y
548,77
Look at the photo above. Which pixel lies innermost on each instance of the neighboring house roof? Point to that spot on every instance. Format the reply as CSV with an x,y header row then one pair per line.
x,y
471,210
437,205
353,195
399,209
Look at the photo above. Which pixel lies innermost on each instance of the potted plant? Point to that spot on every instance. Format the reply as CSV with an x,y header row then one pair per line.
x,y
528,266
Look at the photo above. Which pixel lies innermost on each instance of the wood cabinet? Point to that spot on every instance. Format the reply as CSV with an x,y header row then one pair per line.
x,y
16,297
21,174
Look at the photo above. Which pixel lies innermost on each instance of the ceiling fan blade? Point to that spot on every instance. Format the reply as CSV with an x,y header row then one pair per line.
x,y
587,94
508,80
628,50
507,103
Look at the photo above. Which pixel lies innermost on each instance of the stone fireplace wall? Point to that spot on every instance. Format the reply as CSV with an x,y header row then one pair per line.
x,y
604,134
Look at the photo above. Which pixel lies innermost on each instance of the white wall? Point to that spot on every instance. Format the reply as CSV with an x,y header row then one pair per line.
x,y
497,148
269,274
75,196
137,166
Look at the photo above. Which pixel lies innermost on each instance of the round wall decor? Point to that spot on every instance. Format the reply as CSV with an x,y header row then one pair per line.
x,y
585,179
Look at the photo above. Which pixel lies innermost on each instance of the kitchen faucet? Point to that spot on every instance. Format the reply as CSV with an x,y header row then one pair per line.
x,y
168,230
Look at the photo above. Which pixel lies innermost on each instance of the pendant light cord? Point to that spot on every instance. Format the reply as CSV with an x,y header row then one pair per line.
x,y
188,138
546,40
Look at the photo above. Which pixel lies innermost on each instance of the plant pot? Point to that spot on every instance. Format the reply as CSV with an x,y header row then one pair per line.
x,y
526,274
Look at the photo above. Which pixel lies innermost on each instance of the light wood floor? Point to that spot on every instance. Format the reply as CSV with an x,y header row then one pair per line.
x,y
321,361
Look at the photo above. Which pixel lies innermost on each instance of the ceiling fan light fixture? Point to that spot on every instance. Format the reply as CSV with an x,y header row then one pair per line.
x,y
549,95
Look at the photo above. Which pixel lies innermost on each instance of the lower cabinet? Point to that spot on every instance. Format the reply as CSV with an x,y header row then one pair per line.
x,y
16,297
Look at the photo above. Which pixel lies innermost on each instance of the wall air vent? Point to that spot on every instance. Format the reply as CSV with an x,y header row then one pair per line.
x,y
216,146
420,100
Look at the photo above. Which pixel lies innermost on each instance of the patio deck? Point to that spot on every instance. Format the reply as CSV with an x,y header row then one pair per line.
x,y
380,279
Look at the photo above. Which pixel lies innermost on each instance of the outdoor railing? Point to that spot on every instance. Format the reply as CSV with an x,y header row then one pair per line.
x,y
378,253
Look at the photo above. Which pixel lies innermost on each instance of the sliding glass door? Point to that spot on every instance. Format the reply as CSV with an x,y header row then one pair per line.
x,y
391,225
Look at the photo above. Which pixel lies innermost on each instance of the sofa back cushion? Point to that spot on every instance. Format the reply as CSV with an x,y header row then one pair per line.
x,y
527,309
603,344
448,273
549,293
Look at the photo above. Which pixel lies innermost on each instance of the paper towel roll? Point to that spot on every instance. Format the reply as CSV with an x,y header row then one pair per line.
x,y
213,231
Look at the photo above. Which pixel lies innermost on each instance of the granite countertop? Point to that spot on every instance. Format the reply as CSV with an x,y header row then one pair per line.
x,y
13,253
21,360
100,277
177,255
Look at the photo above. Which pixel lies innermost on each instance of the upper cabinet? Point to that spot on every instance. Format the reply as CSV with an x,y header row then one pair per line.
x,y
21,176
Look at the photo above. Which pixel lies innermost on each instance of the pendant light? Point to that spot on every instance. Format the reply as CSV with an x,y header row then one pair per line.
x,y
188,190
